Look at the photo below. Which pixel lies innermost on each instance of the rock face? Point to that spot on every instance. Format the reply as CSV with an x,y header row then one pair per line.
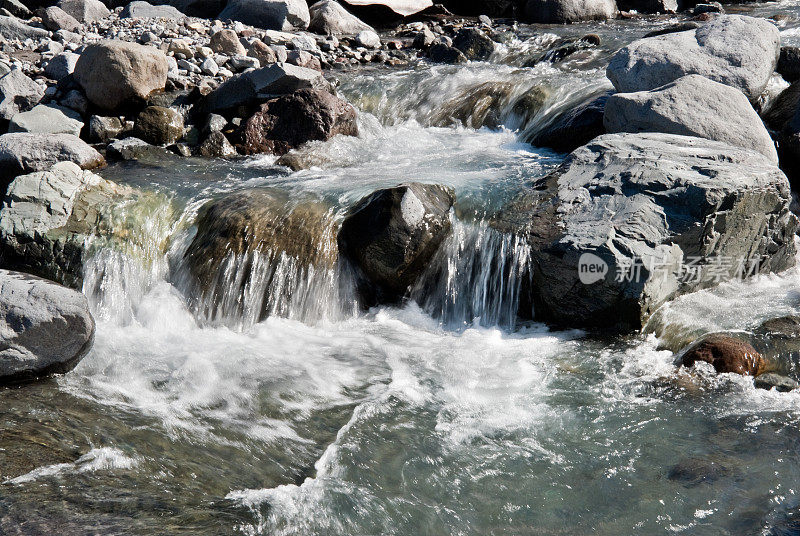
x,y
115,72
159,125
45,216
287,122
391,235
725,354
574,127
143,10
47,119
566,11
284,15
692,106
250,87
328,17
45,328
25,152
85,11
18,93
630,221
737,51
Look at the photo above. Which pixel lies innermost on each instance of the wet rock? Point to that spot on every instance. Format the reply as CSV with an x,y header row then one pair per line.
x,y
134,149
216,145
476,106
113,73
769,381
61,65
475,44
284,15
13,28
103,129
692,472
424,38
248,88
25,152
47,119
18,93
441,53
725,354
46,328
614,228
738,51
649,6
214,123
565,48
566,11
143,10
54,18
785,327
328,17
159,125
573,127
85,11
226,42
789,64
391,235
289,121
692,106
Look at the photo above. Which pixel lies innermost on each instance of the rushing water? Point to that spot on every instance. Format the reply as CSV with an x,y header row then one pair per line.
x,y
448,415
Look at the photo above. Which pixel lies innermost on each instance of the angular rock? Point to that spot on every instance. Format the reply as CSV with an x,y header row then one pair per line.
x,y
289,121
143,10
61,65
159,125
475,44
47,119
13,28
725,354
85,11
103,129
248,88
734,50
113,73
226,42
574,127
18,93
424,38
441,53
692,106
262,52
391,235
328,17
216,145
54,18
45,328
284,15
25,153
769,381
630,221
567,11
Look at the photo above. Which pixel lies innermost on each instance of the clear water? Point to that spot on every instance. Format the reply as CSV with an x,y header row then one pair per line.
x,y
445,416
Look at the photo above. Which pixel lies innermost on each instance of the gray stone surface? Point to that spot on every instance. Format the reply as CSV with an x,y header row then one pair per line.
x,y
692,106
735,50
566,11
44,328
18,93
25,152
85,10
54,18
47,119
13,28
782,384
404,8
643,205
61,65
143,10
134,149
328,17
284,15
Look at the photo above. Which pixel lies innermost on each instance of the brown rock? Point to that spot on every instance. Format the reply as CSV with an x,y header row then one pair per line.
x,y
159,125
262,52
725,354
226,42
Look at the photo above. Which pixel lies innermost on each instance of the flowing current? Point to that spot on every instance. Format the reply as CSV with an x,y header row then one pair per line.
x,y
269,402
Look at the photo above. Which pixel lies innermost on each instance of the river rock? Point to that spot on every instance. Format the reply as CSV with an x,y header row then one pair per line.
x,y
54,18
61,65
574,127
785,327
159,125
103,129
13,28
289,121
630,221
567,11
474,8
692,106
226,42
85,11
47,119
391,235
649,6
143,10
328,17
475,44
725,354
25,152
216,145
253,86
18,93
284,15
135,149
770,380
113,73
738,51
45,328
441,53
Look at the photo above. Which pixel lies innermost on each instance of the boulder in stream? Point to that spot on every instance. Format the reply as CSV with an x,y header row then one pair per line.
x,y
770,380
159,125
725,353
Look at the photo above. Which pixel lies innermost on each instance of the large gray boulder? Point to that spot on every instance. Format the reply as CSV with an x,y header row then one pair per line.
x,y
113,73
13,28
260,84
630,221
44,328
284,15
85,11
47,119
26,152
391,235
143,10
692,106
54,19
734,50
18,93
567,11
328,17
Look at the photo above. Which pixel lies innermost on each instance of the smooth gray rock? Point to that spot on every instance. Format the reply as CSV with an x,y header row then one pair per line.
x,y
103,129
328,17
738,51
143,10
643,206
85,10
61,65
54,18
770,380
260,84
368,39
567,11
284,15
47,119
391,235
692,106
13,28
18,93
44,328
26,152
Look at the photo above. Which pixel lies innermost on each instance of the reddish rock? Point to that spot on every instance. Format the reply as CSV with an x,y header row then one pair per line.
x,y
725,354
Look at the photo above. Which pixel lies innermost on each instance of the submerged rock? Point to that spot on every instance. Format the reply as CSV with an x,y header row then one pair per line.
x,y
566,11
630,221
284,15
290,121
44,328
391,235
476,106
573,127
734,50
725,354
782,384
692,472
